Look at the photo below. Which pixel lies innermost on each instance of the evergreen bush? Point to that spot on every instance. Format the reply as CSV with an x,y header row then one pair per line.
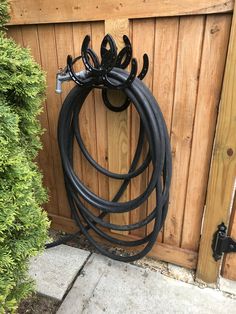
x,y
23,223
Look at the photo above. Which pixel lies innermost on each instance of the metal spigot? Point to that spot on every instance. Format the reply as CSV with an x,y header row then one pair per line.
x,y
62,76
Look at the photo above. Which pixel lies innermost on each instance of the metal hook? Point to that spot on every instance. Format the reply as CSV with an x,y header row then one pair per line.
x,y
125,52
74,77
145,67
128,81
108,56
85,54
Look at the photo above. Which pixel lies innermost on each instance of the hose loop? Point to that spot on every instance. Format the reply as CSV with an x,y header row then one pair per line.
x,y
110,74
153,128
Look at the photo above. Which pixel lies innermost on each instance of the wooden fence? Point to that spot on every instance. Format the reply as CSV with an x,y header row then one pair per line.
x,y
187,43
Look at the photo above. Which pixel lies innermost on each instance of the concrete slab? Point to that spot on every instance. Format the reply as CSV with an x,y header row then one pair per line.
x,y
113,287
55,269
227,285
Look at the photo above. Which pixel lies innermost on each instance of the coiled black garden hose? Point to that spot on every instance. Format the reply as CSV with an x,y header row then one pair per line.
x,y
153,129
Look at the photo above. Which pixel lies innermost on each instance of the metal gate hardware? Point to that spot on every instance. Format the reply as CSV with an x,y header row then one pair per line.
x,y
222,243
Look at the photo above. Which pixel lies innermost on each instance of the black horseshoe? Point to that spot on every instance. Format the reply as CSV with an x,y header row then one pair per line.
x,y
107,103
144,70
108,56
85,52
129,80
125,52
73,76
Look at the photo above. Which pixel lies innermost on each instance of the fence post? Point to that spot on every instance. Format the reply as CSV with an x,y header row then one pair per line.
x,y
223,166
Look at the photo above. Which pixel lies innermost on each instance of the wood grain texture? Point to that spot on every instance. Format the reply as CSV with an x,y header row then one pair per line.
x,y
64,47
45,157
87,119
98,32
138,184
117,128
78,31
60,11
15,32
210,81
223,167
165,55
48,52
187,72
164,71
63,38
160,251
229,262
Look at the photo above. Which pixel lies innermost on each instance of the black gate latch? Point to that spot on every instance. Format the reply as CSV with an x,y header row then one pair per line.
x,y
222,243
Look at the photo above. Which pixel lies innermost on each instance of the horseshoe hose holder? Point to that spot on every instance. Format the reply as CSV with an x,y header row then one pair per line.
x,y
110,74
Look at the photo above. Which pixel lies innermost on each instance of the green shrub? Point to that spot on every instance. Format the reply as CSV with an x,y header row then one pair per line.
x,y
4,13
23,223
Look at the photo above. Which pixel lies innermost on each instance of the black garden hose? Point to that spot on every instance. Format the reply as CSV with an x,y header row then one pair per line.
x,y
152,128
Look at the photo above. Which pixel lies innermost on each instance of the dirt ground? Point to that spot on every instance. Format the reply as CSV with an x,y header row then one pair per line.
x,y
38,305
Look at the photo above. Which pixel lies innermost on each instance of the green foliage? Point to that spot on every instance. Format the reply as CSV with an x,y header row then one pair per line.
x,y
4,13
23,223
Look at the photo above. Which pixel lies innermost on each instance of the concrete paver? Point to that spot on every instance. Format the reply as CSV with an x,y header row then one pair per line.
x,y
55,269
228,286
106,286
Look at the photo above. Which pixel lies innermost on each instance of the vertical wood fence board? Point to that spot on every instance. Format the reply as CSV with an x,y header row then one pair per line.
x,y
64,46
138,184
87,120
45,158
229,263
188,64
79,30
98,32
16,33
63,38
164,70
165,54
117,127
49,64
77,155
210,81
223,166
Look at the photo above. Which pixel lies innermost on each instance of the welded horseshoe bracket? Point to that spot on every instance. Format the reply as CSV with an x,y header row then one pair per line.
x,y
96,73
